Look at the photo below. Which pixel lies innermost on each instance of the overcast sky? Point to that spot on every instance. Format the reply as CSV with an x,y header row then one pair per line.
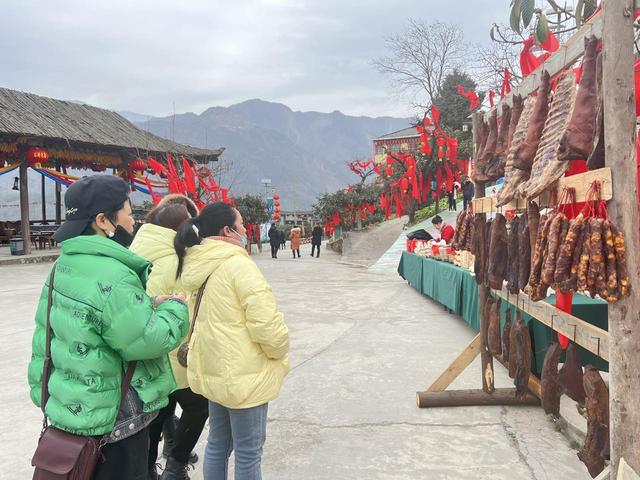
x,y
144,55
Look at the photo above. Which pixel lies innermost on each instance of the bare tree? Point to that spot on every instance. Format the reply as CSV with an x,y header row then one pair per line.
x,y
492,59
419,59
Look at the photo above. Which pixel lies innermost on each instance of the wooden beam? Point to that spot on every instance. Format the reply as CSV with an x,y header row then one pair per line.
x,y
468,398
620,156
580,183
563,58
24,207
463,360
588,336
483,291
58,197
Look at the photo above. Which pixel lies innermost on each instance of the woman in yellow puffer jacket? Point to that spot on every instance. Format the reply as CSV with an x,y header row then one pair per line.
x,y
154,242
238,353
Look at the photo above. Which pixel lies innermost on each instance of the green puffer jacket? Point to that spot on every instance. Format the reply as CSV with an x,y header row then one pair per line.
x,y
101,318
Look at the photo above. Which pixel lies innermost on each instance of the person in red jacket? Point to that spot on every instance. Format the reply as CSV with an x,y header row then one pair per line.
x,y
446,230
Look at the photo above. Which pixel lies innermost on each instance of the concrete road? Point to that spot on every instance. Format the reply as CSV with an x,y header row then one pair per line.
x,y
362,345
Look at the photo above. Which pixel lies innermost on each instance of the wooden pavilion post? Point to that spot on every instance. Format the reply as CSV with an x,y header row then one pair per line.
x,y
483,291
24,207
620,155
58,198
43,195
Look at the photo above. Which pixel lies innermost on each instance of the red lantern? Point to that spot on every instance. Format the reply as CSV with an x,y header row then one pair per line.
x,y
36,155
276,203
389,160
137,165
419,128
276,197
404,184
276,217
389,171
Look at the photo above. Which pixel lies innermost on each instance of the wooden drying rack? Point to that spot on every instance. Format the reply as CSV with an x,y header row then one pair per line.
x,y
614,23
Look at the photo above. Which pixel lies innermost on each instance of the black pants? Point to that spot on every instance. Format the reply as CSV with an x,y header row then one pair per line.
x,y
294,253
313,249
195,411
274,251
465,202
126,459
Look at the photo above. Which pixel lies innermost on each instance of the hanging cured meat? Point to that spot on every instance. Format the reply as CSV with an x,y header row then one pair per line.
x,y
494,339
596,444
559,227
533,214
487,244
496,164
487,154
486,315
621,261
577,141
565,255
596,157
516,112
506,335
596,270
526,153
550,380
538,255
522,357
460,233
478,246
498,252
612,292
524,254
513,347
547,167
514,176
514,256
571,375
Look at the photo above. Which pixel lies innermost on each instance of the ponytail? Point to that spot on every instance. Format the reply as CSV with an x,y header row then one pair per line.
x,y
188,235
211,221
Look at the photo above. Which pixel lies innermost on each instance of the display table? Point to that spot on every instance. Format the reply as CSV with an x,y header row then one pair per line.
x,y
456,289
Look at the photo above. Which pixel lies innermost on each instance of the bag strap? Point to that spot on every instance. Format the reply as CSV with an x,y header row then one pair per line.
x,y
46,368
196,309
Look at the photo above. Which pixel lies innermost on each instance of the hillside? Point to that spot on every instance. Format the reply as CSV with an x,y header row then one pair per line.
x,y
303,153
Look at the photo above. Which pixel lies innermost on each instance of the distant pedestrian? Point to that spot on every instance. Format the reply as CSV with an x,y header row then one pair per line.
x,y
258,237
316,239
294,236
274,240
452,201
283,239
467,193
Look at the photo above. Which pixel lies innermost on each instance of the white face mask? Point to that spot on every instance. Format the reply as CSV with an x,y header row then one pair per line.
x,y
243,238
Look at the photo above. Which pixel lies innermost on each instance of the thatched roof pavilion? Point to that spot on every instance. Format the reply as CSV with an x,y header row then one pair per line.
x,y
76,136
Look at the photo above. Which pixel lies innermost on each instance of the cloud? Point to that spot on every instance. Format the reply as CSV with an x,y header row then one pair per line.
x,y
145,55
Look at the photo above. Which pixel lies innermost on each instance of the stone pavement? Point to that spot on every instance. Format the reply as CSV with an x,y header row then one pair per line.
x,y
362,344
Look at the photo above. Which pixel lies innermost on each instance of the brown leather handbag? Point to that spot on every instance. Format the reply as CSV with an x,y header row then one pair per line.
x,y
183,350
61,455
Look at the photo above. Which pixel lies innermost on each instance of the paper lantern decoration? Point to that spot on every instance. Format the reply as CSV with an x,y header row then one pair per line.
x,y
36,155
389,160
137,165
389,171
276,197
276,203
419,129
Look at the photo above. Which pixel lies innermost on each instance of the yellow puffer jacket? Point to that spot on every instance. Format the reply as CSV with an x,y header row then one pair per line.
x,y
155,244
238,351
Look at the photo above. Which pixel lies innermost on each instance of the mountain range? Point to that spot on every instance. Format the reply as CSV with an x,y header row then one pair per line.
x,y
302,153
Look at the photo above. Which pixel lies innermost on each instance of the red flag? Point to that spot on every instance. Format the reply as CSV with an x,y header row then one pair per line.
x,y
157,167
189,177
471,96
506,83
491,95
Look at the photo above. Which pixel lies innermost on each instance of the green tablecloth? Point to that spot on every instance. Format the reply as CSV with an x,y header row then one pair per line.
x,y
456,289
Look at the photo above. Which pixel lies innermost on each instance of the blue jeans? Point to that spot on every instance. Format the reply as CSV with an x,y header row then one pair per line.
x,y
241,430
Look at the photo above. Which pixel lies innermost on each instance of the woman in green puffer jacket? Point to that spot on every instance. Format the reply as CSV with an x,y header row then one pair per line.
x,y
101,319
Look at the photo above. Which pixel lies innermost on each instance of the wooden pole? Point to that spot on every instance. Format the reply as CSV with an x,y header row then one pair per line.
x,y
483,292
466,398
58,198
620,155
44,201
24,207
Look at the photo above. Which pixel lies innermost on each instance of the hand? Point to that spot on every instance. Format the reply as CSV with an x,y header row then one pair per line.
x,y
160,299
